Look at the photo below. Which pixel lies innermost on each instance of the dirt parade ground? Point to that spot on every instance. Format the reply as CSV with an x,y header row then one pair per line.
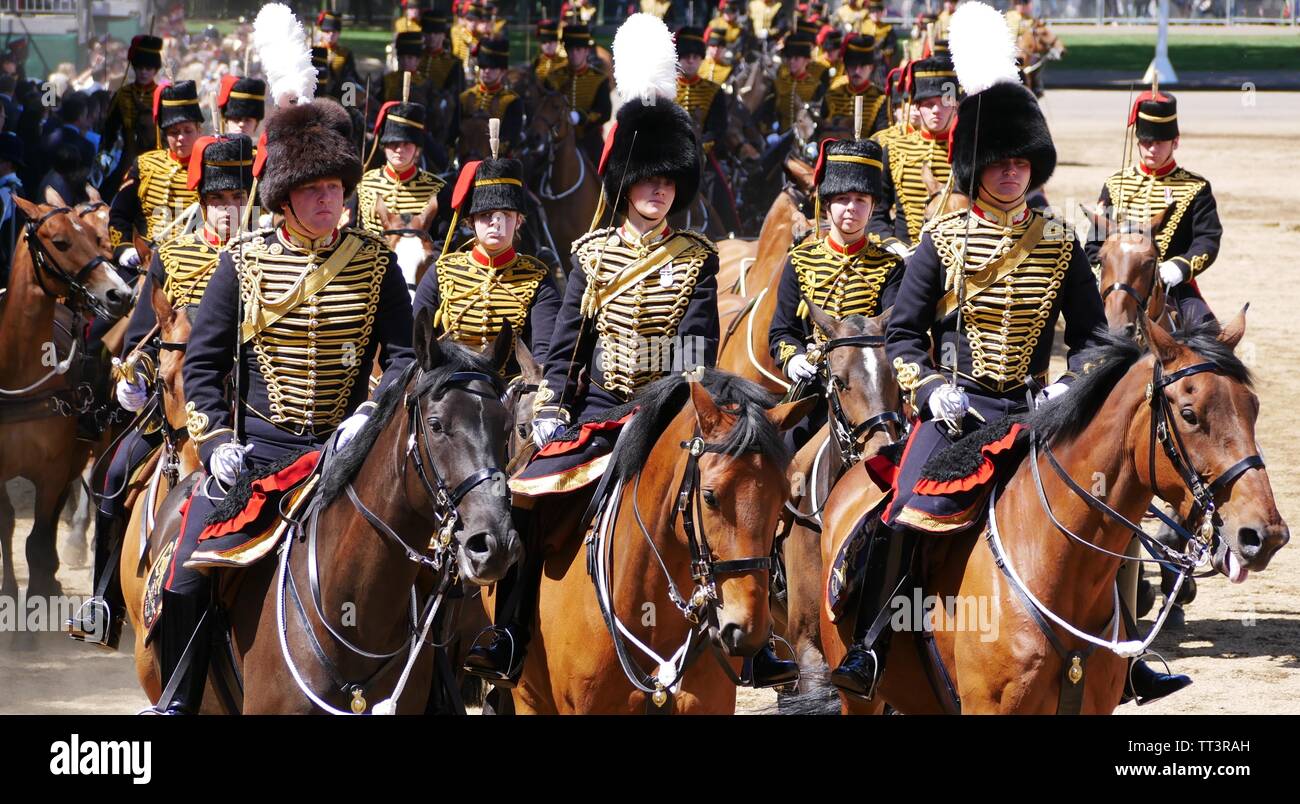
x,y
1240,644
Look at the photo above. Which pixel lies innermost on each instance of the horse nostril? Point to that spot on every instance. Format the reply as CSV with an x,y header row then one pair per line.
x,y
1130,330
1249,541
479,544
731,635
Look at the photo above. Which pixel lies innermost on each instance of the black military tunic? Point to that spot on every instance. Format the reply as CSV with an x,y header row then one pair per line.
x,y
152,197
1032,269
1190,233
471,296
482,103
901,211
706,104
840,104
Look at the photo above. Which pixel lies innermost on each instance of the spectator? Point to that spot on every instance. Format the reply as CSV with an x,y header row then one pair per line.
x,y
11,161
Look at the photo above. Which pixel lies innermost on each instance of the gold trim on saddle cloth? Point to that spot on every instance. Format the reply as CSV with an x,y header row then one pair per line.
x,y
561,482
252,551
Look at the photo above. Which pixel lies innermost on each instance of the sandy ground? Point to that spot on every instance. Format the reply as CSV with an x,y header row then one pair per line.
x,y
1240,642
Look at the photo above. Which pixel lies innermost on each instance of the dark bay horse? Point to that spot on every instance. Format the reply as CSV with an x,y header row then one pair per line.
x,y
1174,419
865,414
415,501
56,257
715,445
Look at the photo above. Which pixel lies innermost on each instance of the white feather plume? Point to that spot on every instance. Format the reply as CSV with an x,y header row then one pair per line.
x,y
645,60
285,53
983,51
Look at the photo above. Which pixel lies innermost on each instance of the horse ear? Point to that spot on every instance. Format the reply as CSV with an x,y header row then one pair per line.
x,y
707,413
29,209
428,352
1232,332
162,309
53,198
825,321
788,414
503,346
1100,223
1163,344
93,194
529,368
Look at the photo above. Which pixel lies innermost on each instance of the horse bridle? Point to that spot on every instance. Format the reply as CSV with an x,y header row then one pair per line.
x,y
1131,292
46,265
850,437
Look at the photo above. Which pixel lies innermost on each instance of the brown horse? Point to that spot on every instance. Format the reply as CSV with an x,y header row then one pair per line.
x,y
715,445
412,503
559,173
940,202
1130,279
408,237
866,414
744,347
56,257
1037,44
1118,419
177,459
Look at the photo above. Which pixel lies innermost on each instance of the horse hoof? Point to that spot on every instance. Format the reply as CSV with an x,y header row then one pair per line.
x,y
74,553
1176,618
1188,593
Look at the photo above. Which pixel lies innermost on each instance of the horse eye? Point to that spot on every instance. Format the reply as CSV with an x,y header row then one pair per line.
x,y
710,499
522,429
62,243
1188,415
435,424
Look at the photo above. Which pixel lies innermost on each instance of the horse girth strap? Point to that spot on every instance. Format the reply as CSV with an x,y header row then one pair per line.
x,y
597,297
260,316
995,271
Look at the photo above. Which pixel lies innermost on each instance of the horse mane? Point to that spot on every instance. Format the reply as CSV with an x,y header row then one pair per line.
x,y
659,402
344,465
1067,415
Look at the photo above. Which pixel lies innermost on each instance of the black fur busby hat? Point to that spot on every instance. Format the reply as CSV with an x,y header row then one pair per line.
x,y
548,30
652,135
145,51
329,21
1010,123
242,97
221,163
409,43
401,122
797,44
576,35
488,185
433,20
848,166
306,142
176,103
933,77
859,49
1155,116
493,53
690,41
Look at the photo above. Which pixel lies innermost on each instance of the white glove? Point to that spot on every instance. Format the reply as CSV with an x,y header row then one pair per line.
x,y
949,403
350,427
772,138
574,117
130,258
130,395
899,250
227,461
545,428
1054,390
1171,273
799,369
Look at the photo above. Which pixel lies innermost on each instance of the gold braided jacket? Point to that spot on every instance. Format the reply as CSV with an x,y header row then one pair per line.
x,y
163,192
696,97
716,71
1138,196
733,31
839,104
544,65
188,262
1004,323
763,16
652,309
579,88
792,92
309,358
400,197
475,300
908,154
841,284
435,68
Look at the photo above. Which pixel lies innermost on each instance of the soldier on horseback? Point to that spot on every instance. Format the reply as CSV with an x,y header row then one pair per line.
x,y
728,27
156,191
844,273
438,65
297,313
130,113
220,171
987,284
859,63
641,303
586,86
1189,232
474,291
701,98
340,60
400,183
881,32
799,81
897,220
242,102
719,58
491,98
549,59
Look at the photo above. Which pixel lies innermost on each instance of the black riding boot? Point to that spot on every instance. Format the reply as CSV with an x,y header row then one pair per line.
x,y
889,557
99,621
501,660
183,623
769,670
1146,684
